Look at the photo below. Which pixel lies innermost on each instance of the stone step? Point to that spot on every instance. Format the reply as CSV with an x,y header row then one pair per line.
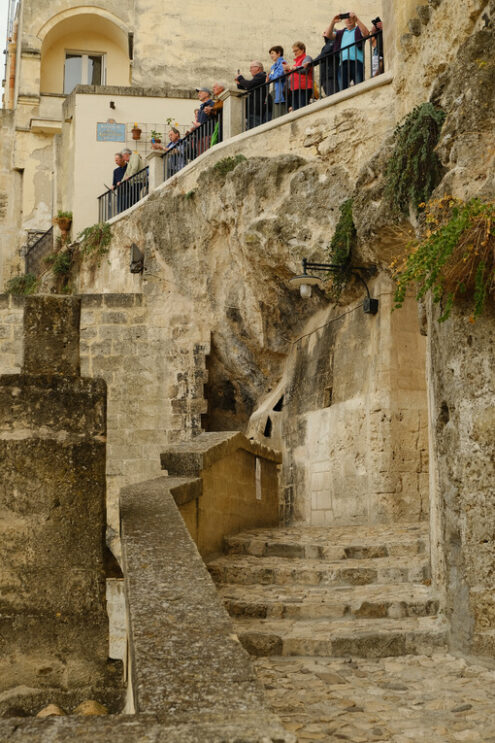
x,y
361,638
247,570
307,602
330,544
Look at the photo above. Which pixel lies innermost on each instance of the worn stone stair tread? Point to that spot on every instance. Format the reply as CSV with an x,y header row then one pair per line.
x,y
247,569
332,534
297,601
337,543
318,637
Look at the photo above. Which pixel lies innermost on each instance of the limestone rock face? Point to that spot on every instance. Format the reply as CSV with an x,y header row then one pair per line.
x,y
467,92
222,255
51,710
90,707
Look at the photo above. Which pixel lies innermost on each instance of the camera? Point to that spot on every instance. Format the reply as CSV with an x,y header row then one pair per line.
x,y
344,15
376,21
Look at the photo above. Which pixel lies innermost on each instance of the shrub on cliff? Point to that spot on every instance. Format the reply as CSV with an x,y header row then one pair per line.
x,y
414,169
340,248
455,258
227,164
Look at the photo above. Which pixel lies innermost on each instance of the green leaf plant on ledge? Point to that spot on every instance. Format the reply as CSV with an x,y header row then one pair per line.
x,y
23,284
340,248
414,170
227,164
455,257
94,241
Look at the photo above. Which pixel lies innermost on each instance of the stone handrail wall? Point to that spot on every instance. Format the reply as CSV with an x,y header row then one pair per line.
x,y
238,486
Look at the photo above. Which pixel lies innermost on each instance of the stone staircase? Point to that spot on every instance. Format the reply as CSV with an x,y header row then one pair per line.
x,y
312,591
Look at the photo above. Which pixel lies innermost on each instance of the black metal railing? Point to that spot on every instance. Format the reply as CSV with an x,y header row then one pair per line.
x,y
37,250
326,75
122,197
192,145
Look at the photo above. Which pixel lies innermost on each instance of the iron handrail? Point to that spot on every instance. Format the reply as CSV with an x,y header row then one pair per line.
x,y
122,197
299,87
192,145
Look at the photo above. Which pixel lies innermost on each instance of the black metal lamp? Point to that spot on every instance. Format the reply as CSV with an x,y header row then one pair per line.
x,y
305,281
137,260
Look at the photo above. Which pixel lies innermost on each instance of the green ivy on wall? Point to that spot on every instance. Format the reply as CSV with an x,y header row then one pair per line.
x,y
414,169
455,258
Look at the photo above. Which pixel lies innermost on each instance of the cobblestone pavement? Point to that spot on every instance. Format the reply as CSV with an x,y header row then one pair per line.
x,y
409,699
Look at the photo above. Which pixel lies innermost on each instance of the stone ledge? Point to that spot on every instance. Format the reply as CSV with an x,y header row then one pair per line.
x,y
250,728
191,457
186,662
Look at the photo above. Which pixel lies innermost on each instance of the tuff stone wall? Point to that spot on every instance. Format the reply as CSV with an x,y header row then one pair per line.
x,y
154,367
54,627
462,408
354,418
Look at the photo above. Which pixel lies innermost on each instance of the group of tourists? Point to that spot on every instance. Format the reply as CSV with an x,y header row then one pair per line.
x,y
286,87
292,86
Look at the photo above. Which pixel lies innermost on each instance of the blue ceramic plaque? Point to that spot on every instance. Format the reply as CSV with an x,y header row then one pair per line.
x,y
108,132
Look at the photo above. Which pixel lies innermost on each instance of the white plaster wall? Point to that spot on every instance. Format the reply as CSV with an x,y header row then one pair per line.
x,y
92,162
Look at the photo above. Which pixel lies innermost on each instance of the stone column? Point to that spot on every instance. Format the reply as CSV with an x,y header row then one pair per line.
x,y
53,621
154,160
233,112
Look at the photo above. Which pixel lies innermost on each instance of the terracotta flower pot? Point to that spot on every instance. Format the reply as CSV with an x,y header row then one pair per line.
x,y
63,223
136,133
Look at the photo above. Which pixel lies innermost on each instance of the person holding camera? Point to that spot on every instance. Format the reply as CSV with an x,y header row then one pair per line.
x,y
377,45
349,41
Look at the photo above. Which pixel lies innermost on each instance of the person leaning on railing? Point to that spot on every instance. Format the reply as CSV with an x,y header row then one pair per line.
x,y
377,45
132,190
213,112
116,204
329,64
277,72
256,99
301,81
346,41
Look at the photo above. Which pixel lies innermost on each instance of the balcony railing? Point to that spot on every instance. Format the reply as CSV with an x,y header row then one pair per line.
x,y
192,146
37,250
129,192
324,76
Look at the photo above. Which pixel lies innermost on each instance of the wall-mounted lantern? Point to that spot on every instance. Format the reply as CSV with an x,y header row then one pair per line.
x,y
306,281
137,260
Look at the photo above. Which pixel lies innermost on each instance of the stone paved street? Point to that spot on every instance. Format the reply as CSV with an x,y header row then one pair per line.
x,y
408,699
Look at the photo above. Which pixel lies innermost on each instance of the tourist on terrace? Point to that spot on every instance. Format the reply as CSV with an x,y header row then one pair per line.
x,y
213,112
329,64
132,190
119,171
277,72
117,204
377,44
204,95
346,41
176,158
200,141
256,102
301,82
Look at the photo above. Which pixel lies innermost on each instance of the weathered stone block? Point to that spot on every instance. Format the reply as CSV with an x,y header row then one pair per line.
x,y
51,330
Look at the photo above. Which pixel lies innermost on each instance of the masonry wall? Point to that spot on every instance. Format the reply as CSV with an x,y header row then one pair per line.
x,y
461,371
354,421
154,370
53,623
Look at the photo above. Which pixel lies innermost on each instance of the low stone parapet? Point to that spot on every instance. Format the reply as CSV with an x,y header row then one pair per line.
x,y
239,486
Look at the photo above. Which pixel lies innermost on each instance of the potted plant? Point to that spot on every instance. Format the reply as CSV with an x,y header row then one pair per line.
x,y
136,131
155,137
63,220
